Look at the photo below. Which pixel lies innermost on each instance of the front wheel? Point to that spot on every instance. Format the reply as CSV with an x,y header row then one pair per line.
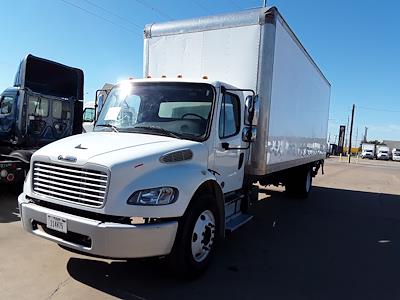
x,y
196,238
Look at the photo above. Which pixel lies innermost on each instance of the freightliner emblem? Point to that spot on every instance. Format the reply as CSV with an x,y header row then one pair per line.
x,y
67,158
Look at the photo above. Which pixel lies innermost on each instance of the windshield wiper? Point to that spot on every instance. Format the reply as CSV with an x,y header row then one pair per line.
x,y
160,130
108,126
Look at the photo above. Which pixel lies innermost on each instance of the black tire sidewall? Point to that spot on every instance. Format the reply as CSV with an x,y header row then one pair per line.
x,y
297,184
181,258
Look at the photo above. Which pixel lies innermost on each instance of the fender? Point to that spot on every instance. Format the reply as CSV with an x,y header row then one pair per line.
x,y
188,177
212,186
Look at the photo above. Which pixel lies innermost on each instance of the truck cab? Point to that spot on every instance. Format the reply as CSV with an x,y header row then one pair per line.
x,y
367,153
382,152
368,150
40,108
396,154
156,145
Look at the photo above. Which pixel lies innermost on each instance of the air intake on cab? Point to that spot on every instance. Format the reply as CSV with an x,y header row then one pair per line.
x,y
176,156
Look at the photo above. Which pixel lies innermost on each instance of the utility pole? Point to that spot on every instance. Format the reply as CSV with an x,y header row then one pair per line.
x,y
265,3
346,135
351,130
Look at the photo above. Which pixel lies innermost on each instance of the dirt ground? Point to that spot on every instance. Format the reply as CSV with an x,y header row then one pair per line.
x,y
343,242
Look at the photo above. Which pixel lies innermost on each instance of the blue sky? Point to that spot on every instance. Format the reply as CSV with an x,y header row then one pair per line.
x,y
355,43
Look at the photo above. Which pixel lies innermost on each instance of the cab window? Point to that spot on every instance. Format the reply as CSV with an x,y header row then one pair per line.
x,y
6,104
38,107
229,118
61,110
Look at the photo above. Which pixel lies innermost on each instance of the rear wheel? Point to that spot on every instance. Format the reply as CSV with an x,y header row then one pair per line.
x,y
300,182
196,238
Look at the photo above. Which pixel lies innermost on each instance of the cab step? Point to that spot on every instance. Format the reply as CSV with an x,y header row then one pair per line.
x,y
237,221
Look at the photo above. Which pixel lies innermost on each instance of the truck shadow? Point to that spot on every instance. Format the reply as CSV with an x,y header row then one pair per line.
x,y
8,204
336,244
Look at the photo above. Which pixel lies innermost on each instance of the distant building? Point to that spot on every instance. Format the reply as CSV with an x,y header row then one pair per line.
x,y
392,144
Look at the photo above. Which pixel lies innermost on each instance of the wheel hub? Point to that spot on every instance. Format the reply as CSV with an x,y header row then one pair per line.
x,y
203,236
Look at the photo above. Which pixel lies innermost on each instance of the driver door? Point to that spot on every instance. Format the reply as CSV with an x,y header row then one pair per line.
x,y
229,157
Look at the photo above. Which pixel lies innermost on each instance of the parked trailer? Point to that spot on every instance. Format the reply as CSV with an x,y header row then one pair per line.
x,y
173,162
43,106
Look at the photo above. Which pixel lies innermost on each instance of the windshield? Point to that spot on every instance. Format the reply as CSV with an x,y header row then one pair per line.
x,y
176,109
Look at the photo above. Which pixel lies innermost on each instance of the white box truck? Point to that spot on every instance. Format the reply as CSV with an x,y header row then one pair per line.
x,y
396,154
382,152
173,162
368,150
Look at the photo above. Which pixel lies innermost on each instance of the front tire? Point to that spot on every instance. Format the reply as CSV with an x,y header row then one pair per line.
x,y
196,238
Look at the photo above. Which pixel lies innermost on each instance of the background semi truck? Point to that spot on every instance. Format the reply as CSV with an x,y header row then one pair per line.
x,y
173,163
44,105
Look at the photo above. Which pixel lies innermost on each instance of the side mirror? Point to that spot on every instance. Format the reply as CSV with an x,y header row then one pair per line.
x,y
100,102
249,135
88,114
251,111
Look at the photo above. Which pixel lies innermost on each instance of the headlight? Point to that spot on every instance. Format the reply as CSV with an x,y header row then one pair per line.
x,y
156,196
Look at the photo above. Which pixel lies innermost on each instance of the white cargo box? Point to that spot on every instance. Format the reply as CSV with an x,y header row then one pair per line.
x,y
254,49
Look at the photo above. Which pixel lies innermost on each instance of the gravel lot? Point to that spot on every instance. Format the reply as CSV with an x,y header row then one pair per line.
x,y
341,243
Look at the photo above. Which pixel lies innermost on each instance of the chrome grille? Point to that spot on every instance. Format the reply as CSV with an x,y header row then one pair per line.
x,y
71,184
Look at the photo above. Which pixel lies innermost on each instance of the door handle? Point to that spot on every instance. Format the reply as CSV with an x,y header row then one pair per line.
x,y
241,160
225,146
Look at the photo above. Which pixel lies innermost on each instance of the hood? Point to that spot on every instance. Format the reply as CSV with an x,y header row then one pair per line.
x,y
90,147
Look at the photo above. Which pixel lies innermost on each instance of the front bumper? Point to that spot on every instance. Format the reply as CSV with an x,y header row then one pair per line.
x,y
382,157
112,240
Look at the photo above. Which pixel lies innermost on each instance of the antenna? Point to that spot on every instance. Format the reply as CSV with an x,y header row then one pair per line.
x,y
265,3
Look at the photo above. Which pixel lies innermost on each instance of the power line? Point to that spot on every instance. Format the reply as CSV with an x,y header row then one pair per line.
x,y
99,16
114,14
158,11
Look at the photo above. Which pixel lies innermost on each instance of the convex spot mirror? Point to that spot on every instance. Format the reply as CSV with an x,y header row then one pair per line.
x,y
249,134
251,111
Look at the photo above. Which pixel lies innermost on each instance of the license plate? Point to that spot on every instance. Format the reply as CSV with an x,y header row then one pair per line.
x,y
57,223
